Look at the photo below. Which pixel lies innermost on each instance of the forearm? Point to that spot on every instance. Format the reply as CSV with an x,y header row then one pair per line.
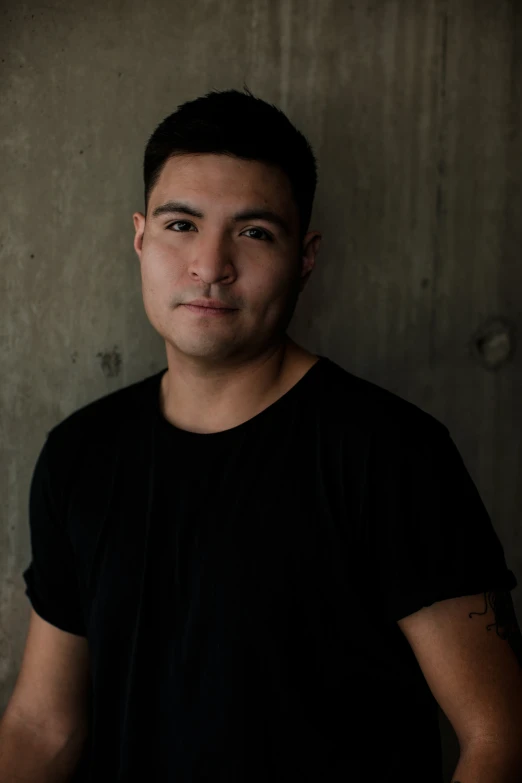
x,y
26,757
486,763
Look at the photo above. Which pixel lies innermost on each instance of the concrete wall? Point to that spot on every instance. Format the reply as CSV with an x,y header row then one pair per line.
x,y
413,110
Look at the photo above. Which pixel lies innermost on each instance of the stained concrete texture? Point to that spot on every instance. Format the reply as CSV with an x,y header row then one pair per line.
x,y
413,110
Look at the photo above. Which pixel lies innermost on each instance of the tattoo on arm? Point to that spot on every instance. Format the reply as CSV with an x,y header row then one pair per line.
x,y
505,621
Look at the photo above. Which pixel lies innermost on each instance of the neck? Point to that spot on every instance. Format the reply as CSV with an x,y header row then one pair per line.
x,y
204,399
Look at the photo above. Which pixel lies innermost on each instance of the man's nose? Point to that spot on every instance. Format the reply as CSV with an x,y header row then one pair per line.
x,y
213,259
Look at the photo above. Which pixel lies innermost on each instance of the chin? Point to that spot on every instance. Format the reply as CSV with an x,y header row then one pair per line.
x,y
202,346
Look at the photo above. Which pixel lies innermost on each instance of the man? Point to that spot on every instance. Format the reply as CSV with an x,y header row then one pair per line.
x,y
253,565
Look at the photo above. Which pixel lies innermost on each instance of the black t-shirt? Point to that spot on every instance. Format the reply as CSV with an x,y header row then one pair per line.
x,y
239,590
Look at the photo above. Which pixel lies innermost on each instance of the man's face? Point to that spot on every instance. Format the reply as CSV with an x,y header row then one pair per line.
x,y
250,264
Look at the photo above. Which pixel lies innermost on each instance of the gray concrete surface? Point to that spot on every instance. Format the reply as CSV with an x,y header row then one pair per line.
x,y
413,110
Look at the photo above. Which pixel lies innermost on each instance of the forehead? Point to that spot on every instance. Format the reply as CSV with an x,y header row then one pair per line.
x,y
230,179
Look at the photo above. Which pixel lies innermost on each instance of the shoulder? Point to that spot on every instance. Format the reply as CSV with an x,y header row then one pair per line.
x,y
105,420
376,412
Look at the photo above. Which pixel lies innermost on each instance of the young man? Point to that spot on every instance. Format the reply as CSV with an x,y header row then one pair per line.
x,y
253,565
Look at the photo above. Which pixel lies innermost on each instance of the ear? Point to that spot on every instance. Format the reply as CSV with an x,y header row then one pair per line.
x,y
139,228
311,243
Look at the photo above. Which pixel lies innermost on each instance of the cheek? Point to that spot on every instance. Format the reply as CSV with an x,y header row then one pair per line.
x,y
160,268
276,280
273,298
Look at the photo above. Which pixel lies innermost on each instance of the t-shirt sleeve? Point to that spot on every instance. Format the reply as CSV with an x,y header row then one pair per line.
x,y
51,580
433,538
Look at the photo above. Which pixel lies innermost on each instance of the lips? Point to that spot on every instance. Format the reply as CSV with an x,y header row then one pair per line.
x,y
209,307
210,311
210,304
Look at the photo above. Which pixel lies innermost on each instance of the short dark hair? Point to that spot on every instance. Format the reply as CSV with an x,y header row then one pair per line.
x,y
238,124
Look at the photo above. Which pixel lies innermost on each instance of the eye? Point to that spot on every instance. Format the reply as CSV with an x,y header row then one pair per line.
x,y
177,222
266,234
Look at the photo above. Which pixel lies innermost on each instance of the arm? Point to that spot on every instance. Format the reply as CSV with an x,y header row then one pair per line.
x,y
485,763
469,649
26,756
43,729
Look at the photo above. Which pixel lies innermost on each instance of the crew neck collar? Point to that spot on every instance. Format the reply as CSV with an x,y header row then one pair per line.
x,y
171,429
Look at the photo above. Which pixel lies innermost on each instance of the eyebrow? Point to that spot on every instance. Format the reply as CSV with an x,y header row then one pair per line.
x,y
251,213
